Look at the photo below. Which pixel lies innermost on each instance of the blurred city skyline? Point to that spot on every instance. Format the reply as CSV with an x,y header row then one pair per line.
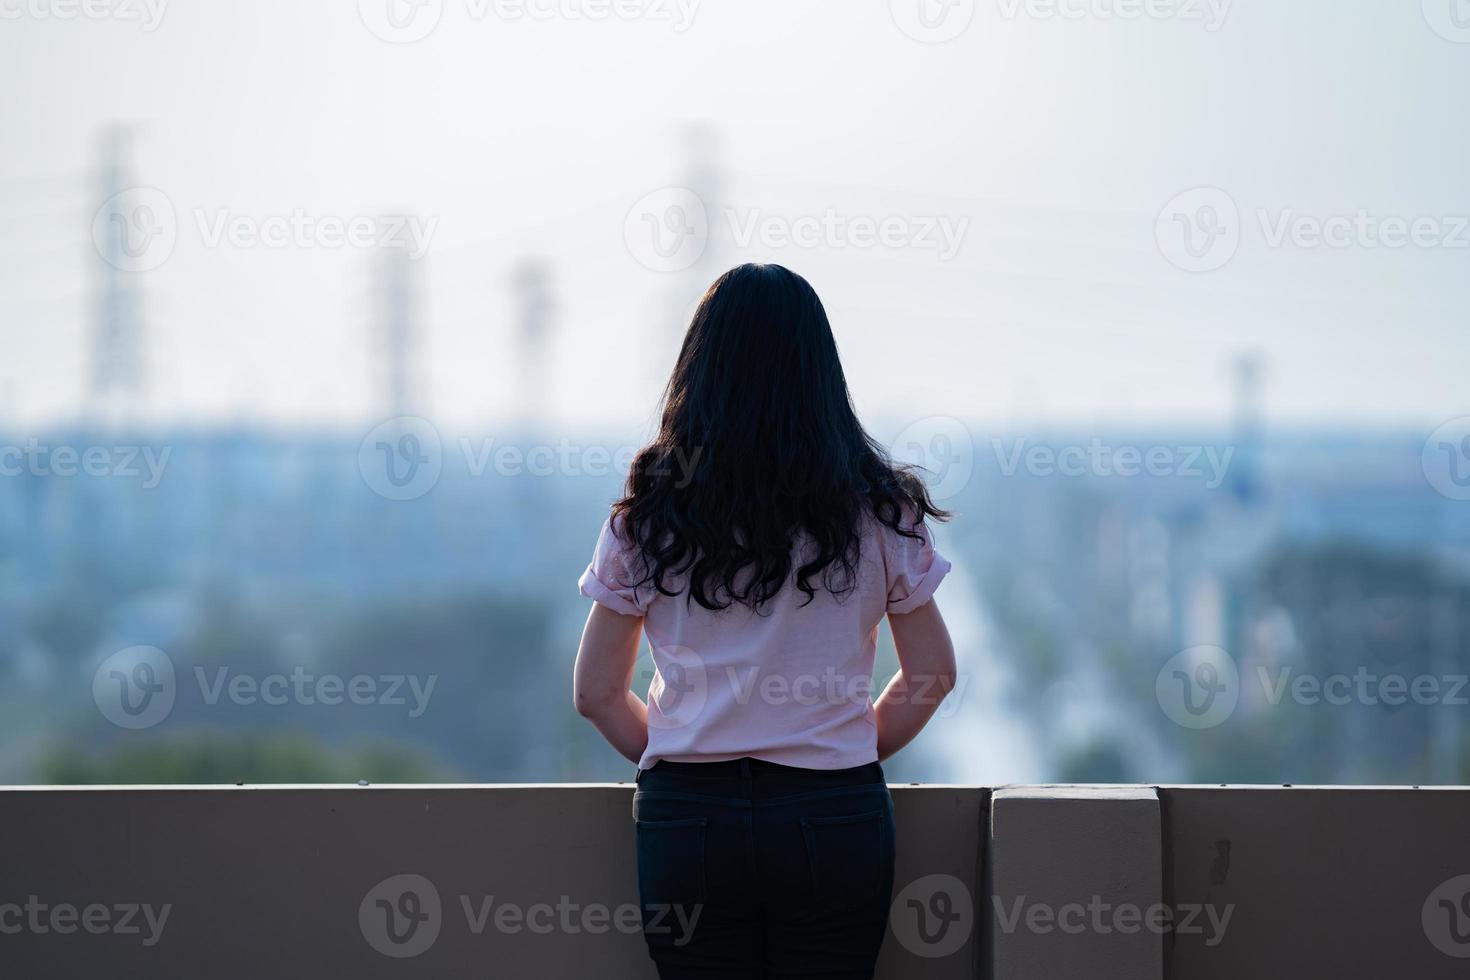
x,y
1171,308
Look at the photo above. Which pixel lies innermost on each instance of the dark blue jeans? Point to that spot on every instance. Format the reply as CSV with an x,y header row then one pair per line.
x,y
749,869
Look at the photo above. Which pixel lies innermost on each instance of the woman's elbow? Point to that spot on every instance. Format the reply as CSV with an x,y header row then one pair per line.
x,y
591,703
941,679
945,672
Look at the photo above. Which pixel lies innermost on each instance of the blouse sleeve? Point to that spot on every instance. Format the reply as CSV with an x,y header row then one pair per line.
x,y
608,580
915,570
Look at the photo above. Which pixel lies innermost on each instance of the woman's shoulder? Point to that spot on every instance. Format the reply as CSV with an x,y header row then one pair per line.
x,y
912,567
615,576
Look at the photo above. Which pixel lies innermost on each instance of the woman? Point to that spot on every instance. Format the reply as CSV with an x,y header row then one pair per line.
x,y
762,537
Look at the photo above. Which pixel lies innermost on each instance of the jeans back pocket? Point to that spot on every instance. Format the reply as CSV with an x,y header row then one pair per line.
x,y
850,856
671,861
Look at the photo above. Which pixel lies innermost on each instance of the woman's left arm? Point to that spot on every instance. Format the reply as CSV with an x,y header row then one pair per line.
x,y
603,680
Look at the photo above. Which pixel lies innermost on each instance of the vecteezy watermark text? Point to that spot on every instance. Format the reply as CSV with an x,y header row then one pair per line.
x,y
410,21
138,228
569,917
147,13
680,685
828,687
302,229
1201,230
1201,687
566,458
1097,458
1363,686
40,918
35,458
303,687
137,688
939,233
1212,14
403,459
403,916
1097,916
669,229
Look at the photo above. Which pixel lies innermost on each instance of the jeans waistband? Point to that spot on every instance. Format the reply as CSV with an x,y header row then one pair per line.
x,y
754,778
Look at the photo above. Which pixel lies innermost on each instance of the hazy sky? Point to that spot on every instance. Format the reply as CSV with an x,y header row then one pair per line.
x,y
1047,137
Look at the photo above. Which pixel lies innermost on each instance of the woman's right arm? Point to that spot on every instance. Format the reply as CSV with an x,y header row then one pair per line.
x,y
603,680
926,673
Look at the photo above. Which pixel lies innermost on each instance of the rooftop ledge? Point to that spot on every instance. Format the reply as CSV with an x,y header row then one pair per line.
x,y
1137,882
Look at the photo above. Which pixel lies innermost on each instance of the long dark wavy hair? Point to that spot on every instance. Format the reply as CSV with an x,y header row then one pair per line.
x,y
758,448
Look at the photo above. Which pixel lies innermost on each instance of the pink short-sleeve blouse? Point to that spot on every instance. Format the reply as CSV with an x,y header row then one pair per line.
x,y
791,684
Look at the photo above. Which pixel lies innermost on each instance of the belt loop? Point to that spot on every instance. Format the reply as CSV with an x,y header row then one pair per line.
x,y
745,768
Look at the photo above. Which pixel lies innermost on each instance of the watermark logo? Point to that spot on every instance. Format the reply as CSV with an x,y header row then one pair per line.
x,y
400,21
667,230
402,458
940,446
1446,917
398,459
1199,688
680,685
136,229
1199,230
679,689
147,13
138,688
1202,230
135,688
1446,459
401,916
754,685
933,917
1450,19
932,21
